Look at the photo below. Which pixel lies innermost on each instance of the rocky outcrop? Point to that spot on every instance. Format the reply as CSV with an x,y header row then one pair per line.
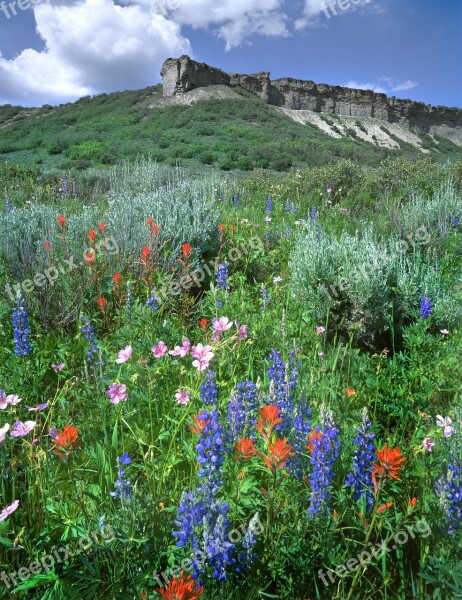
x,y
183,75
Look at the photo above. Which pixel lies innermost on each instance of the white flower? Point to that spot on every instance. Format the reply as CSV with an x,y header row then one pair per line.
x,y
446,423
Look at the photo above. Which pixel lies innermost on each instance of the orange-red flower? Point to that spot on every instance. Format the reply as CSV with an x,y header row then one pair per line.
x,y
150,221
314,435
384,507
413,502
199,424
245,448
92,235
90,256
268,419
388,465
221,227
47,245
102,302
155,229
102,226
116,278
350,392
62,222
145,253
203,323
278,453
186,250
65,439
181,589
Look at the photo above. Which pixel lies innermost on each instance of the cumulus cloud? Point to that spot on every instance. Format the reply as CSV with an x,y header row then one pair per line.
x,y
387,85
314,9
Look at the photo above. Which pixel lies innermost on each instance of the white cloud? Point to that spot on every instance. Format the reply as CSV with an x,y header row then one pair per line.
x,y
318,12
386,85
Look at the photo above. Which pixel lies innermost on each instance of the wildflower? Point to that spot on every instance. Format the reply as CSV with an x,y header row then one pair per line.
x,y
269,205
323,456
268,219
314,214
65,439
241,331
313,437
3,431
236,199
102,226
209,392
426,307
61,220
350,392
159,350
247,557
203,323
47,245
428,444
203,355
152,301
384,507
320,329
200,421
444,331
245,448
123,487
21,329
360,477
186,250
221,227
145,253
102,302
9,510
321,355
279,452
21,429
389,464
220,326
117,393
283,381
182,396
181,589
242,410
116,278
58,368
446,423
265,297
155,229
150,221
90,257
92,235
182,350
93,351
37,408
8,400
124,355
448,489
8,205
413,502
268,419
221,277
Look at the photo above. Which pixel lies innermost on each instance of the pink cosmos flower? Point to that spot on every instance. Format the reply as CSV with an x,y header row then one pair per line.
x,y
21,429
182,396
182,350
9,510
160,349
428,444
203,354
446,423
58,368
116,393
124,355
3,431
320,329
222,324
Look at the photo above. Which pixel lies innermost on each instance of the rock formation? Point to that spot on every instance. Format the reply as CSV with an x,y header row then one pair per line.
x,y
183,75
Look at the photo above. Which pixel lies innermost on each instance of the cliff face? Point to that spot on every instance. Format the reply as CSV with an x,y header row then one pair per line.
x,y
183,75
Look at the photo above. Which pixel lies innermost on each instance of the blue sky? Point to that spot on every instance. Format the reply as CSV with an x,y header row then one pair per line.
x,y
57,51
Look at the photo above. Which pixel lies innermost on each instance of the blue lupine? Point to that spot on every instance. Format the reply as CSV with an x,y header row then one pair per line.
x,y
93,350
455,221
426,307
211,454
283,381
248,556
314,214
215,542
242,411
209,392
267,236
221,277
218,303
189,516
8,205
21,329
449,492
265,297
325,451
269,205
123,486
300,431
288,232
128,300
153,301
236,199
360,477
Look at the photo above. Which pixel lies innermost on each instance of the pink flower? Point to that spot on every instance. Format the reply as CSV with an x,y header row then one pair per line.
x,y
428,444
160,349
3,431
38,408
203,354
10,400
9,510
58,368
21,429
124,355
182,396
222,324
117,393
320,329
181,351
241,331
446,423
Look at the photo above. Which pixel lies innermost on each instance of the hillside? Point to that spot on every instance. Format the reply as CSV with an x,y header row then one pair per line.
x,y
216,126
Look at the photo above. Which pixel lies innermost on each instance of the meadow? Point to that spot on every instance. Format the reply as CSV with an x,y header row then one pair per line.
x,y
231,385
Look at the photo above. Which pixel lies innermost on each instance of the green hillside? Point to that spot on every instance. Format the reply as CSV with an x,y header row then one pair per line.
x,y
240,133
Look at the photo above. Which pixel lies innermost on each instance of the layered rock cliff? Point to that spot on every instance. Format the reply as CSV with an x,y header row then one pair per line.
x,y
183,75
